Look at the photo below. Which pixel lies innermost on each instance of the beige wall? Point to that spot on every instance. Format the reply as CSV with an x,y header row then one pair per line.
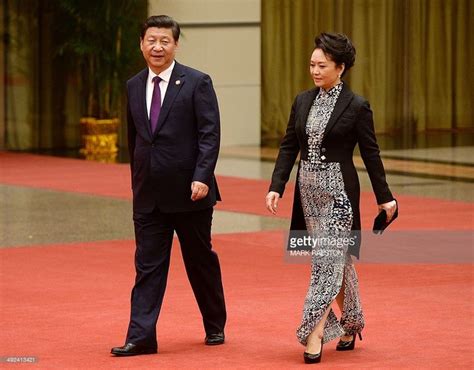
x,y
222,38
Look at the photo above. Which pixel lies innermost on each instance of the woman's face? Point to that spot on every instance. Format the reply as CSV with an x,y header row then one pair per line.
x,y
324,71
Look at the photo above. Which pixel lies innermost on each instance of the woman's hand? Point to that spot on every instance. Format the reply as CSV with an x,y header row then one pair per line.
x,y
272,201
390,208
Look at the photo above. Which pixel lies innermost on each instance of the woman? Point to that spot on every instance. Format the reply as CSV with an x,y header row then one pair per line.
x,y
324,126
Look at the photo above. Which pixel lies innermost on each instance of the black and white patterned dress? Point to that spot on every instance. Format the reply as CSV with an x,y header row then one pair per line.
x,y
328,215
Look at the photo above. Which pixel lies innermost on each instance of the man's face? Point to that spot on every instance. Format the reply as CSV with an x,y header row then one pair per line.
x,y
158,48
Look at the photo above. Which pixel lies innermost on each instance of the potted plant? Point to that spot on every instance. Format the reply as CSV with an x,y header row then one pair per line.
x,y
101,38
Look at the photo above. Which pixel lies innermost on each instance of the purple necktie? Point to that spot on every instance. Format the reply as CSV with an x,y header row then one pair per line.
x,y
155,104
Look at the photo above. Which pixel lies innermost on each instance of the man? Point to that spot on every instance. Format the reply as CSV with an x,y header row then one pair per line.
x,y
173,138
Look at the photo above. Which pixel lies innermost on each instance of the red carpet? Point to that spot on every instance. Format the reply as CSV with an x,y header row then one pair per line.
x,y
68,304
240,195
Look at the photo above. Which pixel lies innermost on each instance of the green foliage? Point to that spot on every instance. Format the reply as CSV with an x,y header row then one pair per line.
x,y
102,37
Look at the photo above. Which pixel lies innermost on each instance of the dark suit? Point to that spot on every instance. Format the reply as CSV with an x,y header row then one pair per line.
x,y
351,123
183,148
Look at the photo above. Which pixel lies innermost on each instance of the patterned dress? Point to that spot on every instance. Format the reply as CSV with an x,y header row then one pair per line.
x,y
328,215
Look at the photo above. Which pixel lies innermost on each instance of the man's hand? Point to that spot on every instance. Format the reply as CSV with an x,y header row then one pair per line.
x,y
199,190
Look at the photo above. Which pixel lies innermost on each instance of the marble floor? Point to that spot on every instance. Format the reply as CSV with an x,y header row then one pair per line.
x,y
35,216
408,171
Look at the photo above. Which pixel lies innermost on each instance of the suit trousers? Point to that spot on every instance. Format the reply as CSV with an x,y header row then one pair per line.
x,y
154,236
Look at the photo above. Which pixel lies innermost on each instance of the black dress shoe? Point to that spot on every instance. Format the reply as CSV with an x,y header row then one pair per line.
x,y
215,339
131,349
347,345
310,358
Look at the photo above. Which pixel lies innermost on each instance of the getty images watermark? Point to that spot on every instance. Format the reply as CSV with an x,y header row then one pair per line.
x,y
301,246
306,243
393,246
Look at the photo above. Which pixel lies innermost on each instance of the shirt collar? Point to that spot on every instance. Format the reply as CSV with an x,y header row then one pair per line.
x,y
164,75
336,89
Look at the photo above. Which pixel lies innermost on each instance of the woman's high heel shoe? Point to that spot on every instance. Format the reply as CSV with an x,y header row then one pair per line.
x,y
349,345
310,358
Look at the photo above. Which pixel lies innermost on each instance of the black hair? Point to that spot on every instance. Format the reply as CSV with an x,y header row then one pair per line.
x,y
338,47
161,21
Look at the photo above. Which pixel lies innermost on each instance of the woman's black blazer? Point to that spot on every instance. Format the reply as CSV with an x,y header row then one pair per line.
x,y
351,123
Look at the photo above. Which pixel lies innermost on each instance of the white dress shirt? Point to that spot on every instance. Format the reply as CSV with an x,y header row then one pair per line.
x,y
165,79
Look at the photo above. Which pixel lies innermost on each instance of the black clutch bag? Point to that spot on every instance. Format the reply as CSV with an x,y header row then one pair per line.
x,y
380,222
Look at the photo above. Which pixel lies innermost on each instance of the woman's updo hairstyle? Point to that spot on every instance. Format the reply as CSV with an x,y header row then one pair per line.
x,y
338,47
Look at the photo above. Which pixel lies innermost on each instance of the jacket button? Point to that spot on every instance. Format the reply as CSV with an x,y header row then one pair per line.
x,y
323,150
323,157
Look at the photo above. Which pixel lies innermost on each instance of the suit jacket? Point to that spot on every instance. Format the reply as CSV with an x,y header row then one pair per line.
x,y
183,148
351,123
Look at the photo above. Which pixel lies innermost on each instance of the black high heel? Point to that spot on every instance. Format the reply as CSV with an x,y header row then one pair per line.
x,y
310,358
347,345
